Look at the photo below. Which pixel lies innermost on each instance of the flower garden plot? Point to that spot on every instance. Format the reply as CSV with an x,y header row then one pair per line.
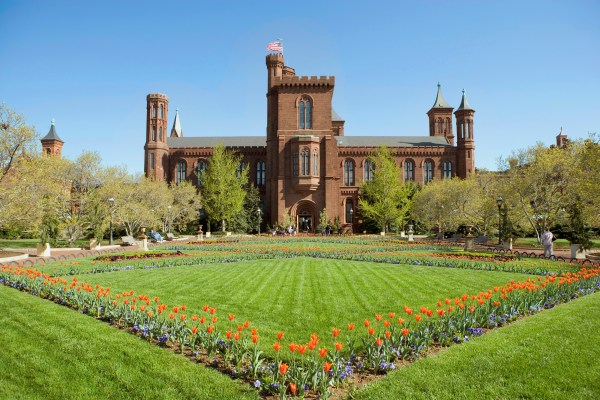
x,y
374,349
356,249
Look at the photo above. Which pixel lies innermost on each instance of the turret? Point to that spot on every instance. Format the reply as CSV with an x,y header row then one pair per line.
x,y
440,117
561,139
465,143
51,143
156,161
275,67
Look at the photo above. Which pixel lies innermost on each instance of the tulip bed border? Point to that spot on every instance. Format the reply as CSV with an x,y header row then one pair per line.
x,y
372,347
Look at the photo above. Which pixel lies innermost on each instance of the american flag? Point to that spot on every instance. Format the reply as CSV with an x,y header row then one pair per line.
x,y
275,46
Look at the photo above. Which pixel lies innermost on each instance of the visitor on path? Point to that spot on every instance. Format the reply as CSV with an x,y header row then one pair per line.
x,y
547,238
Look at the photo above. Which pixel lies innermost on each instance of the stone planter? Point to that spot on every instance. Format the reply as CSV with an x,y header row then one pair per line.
x,y
207,235
43,250
577,252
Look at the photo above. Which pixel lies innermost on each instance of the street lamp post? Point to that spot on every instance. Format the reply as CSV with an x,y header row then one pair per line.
x,y
258,211
111,201
351,219
499,201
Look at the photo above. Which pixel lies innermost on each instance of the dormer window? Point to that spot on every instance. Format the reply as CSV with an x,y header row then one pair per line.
x,y
305,113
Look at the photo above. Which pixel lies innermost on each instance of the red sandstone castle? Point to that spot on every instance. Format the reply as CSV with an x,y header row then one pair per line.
x,y
305,163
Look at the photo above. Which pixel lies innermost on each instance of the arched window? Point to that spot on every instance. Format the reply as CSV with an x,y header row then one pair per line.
x,y
152,160
440,126
447,169
260,173
162,111
305,162
153,133
428,171
154,111
295,163
409,171
349,210
448,127
368,170
315,163
305,113
181,172
349,173
200,168
160,136
240,169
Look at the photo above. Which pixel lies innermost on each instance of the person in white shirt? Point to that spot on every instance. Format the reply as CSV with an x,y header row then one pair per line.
x,y
547,238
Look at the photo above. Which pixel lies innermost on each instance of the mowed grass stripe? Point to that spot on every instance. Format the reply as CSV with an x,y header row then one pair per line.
x,y
52,352
303,295
550,355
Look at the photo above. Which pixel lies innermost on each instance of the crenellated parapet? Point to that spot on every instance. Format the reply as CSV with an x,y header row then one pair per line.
x,y
304,81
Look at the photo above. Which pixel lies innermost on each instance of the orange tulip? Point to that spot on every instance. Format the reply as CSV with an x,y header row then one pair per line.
x,y
195,330
392,315
279,335
292,387
327,366
388,334
404,332
371,331
336,332
400,321
210,329
418,317
377,317
378,342
301,349
228,334
367,323
338,346
283,368
323,352
277,346
231,317
254,339
350,327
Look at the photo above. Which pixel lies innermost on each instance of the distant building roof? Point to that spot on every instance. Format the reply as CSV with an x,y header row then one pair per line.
x,y
391,141
52,135
227,141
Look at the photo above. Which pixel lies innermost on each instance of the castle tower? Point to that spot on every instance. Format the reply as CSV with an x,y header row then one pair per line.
x,y
51,143
176,130
466,143
440,117
156,150
561,139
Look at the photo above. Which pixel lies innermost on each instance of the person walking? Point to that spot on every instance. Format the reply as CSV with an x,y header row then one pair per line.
x,y
547,238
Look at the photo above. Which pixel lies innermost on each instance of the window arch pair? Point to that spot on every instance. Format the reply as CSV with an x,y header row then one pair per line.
x,y
447,169
409,171
369,168
305,113
427,171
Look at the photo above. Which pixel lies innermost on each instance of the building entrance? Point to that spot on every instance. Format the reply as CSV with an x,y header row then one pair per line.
x,y
305,223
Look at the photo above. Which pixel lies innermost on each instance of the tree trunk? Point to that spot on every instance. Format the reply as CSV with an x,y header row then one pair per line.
x,y
223,225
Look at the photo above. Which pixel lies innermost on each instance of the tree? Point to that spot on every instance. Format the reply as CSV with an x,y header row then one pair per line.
x,y
247,219
17,140
224,184
385,199
181,206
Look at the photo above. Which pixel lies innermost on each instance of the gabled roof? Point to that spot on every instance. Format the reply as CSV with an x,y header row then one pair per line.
x,y
176,131
440,102
52,135
464,104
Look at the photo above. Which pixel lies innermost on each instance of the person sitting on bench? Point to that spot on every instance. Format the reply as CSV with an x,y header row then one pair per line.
x,y
156,236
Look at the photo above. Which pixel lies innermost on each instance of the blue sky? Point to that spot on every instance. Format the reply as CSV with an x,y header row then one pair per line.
x,y
528,67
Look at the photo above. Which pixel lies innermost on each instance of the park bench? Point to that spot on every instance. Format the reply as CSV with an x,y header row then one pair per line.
x,y
456,237
169,236
128,241
481,240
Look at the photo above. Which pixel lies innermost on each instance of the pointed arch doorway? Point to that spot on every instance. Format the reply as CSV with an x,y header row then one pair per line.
x,y
305,216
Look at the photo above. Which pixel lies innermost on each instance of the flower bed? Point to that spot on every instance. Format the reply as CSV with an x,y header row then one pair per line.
x,y
372,346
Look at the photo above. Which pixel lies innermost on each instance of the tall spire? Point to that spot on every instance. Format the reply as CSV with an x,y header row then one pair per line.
x,y
176,131
464,104
440,102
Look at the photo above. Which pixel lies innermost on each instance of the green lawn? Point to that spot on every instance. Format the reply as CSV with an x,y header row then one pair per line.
x,y
302,295
51,352
32,243
551,355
